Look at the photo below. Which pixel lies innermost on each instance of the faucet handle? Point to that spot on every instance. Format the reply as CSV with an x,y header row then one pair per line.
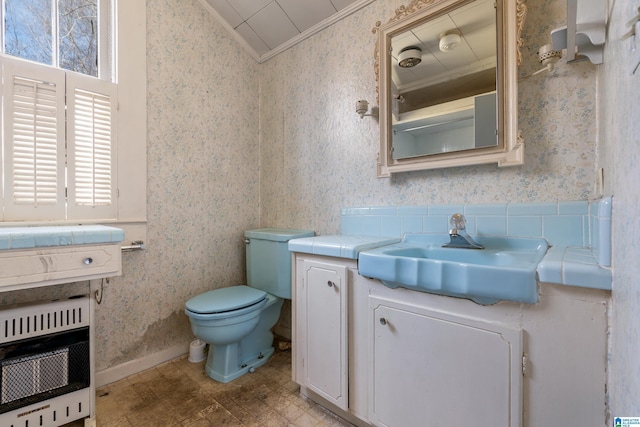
x,y
458,221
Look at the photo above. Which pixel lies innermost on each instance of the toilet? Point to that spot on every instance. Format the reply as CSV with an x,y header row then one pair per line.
x,y
236,321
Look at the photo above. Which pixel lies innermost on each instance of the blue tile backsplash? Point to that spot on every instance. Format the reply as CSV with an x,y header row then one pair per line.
x,y
573,223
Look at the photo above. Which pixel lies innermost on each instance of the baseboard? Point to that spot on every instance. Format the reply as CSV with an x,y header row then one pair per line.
x,y
332,408
131,367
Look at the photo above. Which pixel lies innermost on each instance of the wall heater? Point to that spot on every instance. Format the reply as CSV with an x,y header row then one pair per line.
x,y
45,363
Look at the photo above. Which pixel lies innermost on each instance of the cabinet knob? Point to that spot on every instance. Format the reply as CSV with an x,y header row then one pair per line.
x,y
383,321
88,260
330,283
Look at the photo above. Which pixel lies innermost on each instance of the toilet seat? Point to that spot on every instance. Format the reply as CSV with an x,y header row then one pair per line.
x,y
223,300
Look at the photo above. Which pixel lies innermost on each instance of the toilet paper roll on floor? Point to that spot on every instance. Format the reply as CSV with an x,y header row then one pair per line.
x,y
197,351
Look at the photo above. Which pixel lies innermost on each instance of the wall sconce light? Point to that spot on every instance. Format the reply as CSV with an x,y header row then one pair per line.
x,y
410,57
548,57
449,40
362,107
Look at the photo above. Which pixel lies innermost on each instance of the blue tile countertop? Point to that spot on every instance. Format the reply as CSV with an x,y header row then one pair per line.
x,y
339,245
574,266
12,238
571,266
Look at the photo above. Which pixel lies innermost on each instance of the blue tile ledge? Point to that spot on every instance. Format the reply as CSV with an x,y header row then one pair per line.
x,y
339,245
12,238
574,266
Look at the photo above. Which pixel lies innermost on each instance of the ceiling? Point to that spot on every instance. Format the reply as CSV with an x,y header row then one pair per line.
x,y
268,27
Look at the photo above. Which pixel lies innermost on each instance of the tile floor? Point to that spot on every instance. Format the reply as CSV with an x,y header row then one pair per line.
x,y
179,393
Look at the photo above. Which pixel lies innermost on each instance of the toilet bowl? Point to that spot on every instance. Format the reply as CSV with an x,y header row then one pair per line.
x,y
236,321
240,339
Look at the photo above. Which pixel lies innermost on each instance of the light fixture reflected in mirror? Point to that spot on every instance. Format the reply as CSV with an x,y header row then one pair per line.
x,y
410,57
449,40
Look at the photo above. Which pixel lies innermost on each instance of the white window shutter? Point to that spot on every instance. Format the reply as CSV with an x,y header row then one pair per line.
x,y
91,151
34,134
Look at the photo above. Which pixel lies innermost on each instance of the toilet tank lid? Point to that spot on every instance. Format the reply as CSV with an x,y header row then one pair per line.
x,y
277,234
225,299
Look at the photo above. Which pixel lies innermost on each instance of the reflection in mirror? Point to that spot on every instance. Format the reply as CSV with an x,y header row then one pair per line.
x,y
447,79
443,76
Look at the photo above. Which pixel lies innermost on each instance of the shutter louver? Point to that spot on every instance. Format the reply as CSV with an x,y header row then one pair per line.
x,y
91,163
92,149
34,134
35,145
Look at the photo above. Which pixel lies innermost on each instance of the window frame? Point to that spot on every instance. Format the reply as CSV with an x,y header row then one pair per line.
x,y
128,69
105,42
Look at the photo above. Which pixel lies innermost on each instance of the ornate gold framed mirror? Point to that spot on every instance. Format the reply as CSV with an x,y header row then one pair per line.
x,y
447,76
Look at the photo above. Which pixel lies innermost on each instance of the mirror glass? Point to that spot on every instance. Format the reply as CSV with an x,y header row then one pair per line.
x,y
443,81
447,82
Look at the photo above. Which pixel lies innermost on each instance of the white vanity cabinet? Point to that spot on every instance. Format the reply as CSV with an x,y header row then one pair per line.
x,y
429,365
401,358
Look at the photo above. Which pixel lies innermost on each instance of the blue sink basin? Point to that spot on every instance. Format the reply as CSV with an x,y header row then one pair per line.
x,y
504,270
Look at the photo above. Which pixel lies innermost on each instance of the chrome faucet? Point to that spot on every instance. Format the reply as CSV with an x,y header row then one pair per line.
x,y
458,234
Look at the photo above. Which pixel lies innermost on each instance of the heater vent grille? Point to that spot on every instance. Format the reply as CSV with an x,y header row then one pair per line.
x,y
41,368
35,374
24,322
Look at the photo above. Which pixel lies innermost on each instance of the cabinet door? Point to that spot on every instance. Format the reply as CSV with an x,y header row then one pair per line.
x,y
435,369
325,299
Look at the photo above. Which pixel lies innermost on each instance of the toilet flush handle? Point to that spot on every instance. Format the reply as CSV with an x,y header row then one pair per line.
x,y
247,241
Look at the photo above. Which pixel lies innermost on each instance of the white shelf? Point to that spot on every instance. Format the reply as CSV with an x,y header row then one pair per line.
x,y
584,34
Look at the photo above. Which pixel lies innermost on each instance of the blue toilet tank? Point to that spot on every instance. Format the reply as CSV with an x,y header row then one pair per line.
x,y
269,259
